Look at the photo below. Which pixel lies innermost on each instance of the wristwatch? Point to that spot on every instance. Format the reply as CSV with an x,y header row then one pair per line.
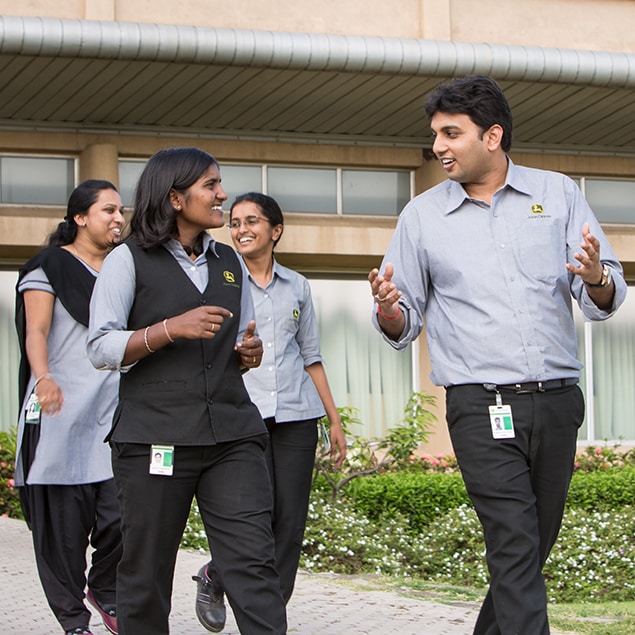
x,y
605,280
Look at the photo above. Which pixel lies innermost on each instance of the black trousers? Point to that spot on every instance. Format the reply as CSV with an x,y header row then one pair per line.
x,y
518,487
290,459
64,518
233,491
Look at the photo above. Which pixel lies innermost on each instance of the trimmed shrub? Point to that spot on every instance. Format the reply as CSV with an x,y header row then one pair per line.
x,y
420,498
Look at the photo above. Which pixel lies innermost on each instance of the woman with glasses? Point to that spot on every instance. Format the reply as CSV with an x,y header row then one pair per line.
x,y
289,387
173,313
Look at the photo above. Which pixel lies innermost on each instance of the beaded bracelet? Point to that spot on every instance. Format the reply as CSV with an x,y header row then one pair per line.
x,y
145,339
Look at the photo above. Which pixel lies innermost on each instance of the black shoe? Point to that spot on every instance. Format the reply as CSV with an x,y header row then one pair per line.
x,y
210,606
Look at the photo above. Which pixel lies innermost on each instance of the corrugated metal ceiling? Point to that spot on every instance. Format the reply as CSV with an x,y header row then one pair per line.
x,y
97,91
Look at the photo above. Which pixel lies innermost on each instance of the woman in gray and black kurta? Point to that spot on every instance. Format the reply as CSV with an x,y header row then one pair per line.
x,y
171,312
63,466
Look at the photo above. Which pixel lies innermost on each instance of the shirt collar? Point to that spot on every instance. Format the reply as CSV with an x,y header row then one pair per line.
x,y
278,270
457,194
176,249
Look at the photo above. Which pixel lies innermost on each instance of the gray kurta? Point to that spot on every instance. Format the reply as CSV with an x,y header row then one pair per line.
x,y
71,448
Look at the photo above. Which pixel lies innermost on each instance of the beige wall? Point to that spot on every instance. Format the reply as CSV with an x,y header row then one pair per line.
x,y
583,24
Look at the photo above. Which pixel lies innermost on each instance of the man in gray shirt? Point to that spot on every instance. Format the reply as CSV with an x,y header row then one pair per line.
x,y
491,258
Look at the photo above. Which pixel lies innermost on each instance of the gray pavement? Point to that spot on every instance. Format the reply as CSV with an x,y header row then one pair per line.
x,y
322,604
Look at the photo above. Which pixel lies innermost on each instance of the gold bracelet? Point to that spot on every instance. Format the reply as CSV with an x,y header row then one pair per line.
x,y
145,339
165,328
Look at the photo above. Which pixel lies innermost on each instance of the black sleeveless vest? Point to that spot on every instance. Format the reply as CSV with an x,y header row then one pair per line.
x,y
190,392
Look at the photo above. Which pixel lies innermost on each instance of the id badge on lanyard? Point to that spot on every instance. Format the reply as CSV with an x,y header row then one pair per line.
x,y
501,420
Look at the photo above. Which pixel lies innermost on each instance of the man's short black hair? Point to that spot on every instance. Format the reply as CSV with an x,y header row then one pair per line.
x,y
477,96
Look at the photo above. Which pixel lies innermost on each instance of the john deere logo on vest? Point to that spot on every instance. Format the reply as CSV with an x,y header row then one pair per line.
x,y
229,276
537,209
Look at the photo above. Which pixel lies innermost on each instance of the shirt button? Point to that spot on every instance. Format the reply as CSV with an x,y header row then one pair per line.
x,y
273,393
210,401
503,245
192,268
208,366
270,368
268,344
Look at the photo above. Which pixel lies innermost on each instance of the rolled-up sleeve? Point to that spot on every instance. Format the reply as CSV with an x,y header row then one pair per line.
x,y
308,335
110,306
411,280
247,311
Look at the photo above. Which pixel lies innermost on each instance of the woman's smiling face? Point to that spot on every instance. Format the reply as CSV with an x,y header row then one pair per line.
x,y
200,207
251,231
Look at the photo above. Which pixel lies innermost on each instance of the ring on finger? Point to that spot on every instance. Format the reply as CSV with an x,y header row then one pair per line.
x,y
378,298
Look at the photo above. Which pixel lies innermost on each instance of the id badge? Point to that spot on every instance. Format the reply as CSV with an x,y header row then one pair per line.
x,y
162,460
32,411
500,417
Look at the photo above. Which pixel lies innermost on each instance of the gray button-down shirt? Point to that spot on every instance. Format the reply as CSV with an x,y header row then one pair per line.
x,y
491,279
280,386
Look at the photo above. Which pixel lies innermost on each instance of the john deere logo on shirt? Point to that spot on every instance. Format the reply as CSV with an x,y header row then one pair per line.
x,y
537,209
229,276
296,314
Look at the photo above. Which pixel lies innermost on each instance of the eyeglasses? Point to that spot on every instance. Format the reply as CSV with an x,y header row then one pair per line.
x,y
249,221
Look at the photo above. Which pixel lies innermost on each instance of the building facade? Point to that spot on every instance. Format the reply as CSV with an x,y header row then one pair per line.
x,y
320,106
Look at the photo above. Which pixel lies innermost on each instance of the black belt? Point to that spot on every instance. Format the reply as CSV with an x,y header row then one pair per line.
x,y
534,386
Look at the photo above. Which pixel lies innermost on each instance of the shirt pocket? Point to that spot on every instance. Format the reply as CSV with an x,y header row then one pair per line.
x,y
543,250
289,325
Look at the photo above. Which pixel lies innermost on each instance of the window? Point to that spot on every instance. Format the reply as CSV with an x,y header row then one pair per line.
x,y
612,200
36,180
607,350
303,189
129,172
372,192
238,179
364,372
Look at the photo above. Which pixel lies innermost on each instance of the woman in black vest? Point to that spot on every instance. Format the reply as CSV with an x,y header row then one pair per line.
x,y
172,314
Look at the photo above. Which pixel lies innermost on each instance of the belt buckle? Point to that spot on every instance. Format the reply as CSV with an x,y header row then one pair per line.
x,y
525,391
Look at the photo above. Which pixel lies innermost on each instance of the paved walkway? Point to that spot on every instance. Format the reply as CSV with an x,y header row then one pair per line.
x,y
322,604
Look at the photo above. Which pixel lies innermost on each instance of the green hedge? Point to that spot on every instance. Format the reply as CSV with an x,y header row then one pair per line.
x,y
423,498
603,490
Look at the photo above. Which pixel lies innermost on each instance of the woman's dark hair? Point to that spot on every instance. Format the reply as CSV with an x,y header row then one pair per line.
x,y
478,97
153,220
79,202
268,206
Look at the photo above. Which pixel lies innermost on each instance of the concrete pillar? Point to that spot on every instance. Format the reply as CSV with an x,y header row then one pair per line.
x,y
99,161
